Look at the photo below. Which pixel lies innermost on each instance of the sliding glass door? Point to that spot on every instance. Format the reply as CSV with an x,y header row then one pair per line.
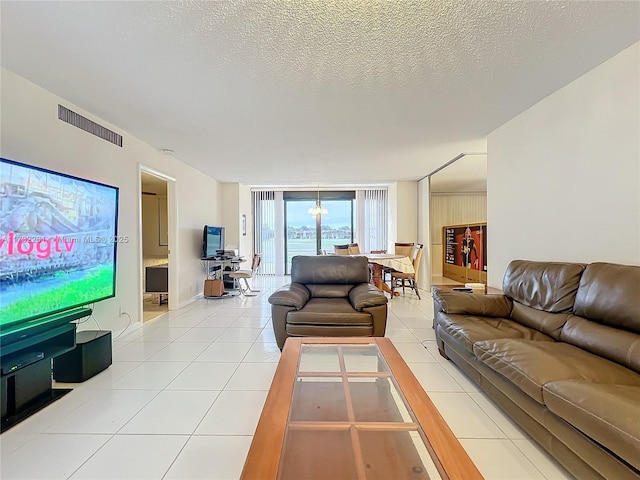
x,y
309,234
337,226
283,226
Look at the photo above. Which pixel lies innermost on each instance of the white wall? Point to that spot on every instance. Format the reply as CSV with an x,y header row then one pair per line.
x,y
231,215
237,201
564,176
151,212
406,213
246,241
32,133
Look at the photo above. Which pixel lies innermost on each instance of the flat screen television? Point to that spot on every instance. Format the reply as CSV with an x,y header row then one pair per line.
x,y
212,241
58,241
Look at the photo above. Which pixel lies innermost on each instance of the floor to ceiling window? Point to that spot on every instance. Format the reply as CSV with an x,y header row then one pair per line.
x,y
283,226
308,233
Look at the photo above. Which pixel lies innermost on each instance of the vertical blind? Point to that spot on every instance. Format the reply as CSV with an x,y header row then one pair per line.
x,y
264,229
372,219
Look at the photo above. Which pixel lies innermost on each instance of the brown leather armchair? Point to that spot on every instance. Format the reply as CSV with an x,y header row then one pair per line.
x,y
329,296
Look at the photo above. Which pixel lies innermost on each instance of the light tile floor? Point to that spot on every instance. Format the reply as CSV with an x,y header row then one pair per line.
x,y
185,391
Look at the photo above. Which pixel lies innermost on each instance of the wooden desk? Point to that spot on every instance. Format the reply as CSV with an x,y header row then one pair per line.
x,y
351,408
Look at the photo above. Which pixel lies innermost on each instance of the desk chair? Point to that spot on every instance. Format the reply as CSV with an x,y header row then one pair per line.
x,y
399,279
244,275
341,249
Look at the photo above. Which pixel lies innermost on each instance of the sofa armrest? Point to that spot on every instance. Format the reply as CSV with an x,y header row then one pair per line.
x,y
293,295
365,295
449,301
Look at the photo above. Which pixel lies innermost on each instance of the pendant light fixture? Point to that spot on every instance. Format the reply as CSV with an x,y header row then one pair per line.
x,y
318,209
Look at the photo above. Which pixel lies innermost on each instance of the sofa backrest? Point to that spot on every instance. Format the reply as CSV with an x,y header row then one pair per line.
x,y
607,308
547,286
610,294
329,269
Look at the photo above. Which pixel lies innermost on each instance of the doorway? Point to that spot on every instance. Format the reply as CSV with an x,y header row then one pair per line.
x,y
458,198
154,213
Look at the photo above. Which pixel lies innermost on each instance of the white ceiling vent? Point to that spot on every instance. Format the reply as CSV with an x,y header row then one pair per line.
x,y
87,125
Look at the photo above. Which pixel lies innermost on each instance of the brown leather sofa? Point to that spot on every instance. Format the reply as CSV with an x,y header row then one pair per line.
x,y
329,296
559,352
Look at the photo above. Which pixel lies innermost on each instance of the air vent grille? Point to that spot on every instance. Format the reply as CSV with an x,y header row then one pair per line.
x,y
83,123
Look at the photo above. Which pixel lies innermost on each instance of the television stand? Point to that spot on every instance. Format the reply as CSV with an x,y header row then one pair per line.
x,y
25,380
26,392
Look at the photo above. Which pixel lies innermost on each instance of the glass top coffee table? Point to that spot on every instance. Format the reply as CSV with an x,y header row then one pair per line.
x,y
350,408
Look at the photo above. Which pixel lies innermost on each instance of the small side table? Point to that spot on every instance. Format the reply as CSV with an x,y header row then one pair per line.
x,y
91,356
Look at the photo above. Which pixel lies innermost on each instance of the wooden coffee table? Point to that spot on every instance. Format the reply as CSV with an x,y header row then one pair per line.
x,y
350,408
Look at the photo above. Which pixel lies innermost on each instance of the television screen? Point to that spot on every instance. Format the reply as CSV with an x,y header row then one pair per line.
x,y
58,239
212,241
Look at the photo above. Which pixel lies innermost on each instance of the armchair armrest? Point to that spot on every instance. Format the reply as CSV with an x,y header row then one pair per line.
x,y
365,295
293,295
449,301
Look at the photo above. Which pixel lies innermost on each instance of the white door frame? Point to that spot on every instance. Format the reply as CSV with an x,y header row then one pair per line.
x,y
172,225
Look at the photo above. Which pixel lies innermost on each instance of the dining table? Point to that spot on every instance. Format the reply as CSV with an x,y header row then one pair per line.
x,y
379,261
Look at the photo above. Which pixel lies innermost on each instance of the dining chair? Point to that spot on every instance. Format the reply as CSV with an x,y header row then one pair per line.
x,y
404,248
399,279
400,248
341,249
354,249
244,275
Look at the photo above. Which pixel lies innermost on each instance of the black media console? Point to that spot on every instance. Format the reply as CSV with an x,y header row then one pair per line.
x,y
91,356
25,380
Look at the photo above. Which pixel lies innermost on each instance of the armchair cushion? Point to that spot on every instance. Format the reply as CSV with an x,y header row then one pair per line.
x,y
329,269
329,290
366,295
291,295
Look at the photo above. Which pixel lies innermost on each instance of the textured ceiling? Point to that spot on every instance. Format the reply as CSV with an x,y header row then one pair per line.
x,y
311,91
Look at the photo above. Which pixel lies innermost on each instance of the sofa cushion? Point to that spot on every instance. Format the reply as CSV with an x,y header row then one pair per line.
x,y
329,311
546,322
450,301
608,294
610,414
616,344
548,286
468,329
532,364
